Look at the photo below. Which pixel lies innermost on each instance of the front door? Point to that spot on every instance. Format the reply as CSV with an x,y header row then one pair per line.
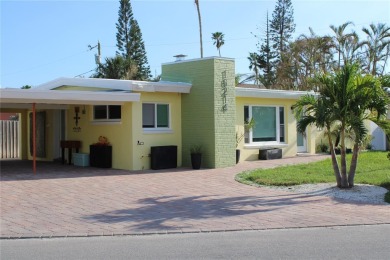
x,y
301,142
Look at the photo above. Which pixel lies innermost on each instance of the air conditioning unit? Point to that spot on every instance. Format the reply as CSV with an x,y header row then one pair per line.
x,y
163,157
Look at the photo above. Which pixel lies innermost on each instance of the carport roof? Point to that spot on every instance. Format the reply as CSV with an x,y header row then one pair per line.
x,y
117,85
29,96
88,91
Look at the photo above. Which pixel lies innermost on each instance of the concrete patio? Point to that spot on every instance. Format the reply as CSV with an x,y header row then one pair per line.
x,y
62,200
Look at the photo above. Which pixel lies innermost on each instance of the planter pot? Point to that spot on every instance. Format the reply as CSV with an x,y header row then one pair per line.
x,y
270,154
196,160
238,152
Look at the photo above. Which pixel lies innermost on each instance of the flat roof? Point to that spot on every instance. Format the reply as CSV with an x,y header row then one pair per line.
x,y
87,91
198,59
271,93
117,84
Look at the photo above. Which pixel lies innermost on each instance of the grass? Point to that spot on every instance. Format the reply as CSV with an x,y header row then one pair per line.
x,y
373,168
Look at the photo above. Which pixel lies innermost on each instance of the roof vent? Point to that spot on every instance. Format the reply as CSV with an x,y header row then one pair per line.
x,y
180,57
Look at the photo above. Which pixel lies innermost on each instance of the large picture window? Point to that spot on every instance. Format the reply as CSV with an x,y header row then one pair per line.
x,y
155,115
269,124
107,113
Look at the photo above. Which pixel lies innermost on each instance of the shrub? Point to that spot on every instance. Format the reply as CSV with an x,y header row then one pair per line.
x,y
196,149
323,148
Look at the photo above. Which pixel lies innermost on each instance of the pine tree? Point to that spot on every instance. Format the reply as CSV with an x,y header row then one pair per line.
x,y
129,40
282,26
138,53
125,17
267,56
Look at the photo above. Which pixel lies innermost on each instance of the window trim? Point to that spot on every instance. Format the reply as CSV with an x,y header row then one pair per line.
x,y
278,126
107,119
157,129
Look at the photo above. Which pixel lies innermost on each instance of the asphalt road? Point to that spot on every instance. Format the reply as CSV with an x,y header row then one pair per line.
x,y
353,242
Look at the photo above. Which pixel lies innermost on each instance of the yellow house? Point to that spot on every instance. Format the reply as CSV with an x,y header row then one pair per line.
x,y
274,123
150,123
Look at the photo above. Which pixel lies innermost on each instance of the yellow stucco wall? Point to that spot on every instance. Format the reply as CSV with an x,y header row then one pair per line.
x,y
127,135
142,141
118,133
251,153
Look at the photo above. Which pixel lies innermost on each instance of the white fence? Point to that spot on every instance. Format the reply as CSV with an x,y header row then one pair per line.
x,y
9,139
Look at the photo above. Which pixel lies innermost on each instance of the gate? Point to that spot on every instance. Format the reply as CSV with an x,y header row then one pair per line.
x,y
9,139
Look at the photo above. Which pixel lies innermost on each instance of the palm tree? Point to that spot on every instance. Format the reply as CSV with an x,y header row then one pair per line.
x,y
314,52
311,110
117,68
200,28
218,40
347,98
341,40
254,65
376,46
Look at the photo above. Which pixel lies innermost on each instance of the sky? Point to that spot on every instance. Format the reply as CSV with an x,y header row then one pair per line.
x,y
44,40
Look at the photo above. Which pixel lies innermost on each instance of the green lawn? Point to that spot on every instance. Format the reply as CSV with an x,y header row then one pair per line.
x,y
373,168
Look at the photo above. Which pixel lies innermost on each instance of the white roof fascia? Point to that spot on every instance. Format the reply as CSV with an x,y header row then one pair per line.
x,y
126,85
66,97
37,106
271,93
162,86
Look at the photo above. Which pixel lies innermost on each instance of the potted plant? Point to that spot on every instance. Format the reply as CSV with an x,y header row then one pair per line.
x,y
196,156
248,125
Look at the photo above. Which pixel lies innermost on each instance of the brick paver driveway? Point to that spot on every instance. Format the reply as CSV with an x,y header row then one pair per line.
x,y
62,200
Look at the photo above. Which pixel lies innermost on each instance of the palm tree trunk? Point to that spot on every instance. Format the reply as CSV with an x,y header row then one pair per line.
x,y
352,169
200,28
334,161
386,57
219,51
374,66
344,179
339,59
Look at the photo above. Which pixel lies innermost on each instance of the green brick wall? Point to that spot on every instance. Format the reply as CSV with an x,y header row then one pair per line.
x,y
204,121
224,119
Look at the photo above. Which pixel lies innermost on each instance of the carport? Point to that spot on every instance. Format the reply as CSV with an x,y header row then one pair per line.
x,y
77,95
46,97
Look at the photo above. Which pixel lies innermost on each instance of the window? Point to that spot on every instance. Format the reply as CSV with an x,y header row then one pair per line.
x,y
269,124
155,115
105,113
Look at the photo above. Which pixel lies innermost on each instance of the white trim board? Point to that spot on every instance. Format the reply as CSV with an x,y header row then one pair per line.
x,y
271,93
28,96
